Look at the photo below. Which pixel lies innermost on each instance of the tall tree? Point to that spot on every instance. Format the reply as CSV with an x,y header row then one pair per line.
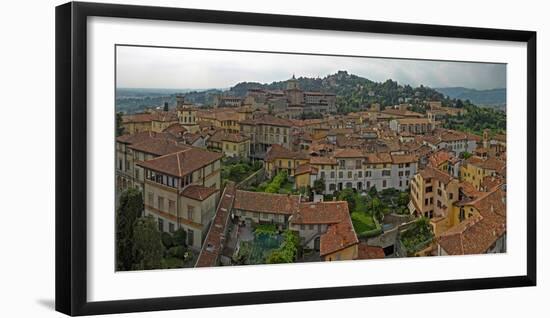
x,y
349,196
129,210
148,249
119,130
319,186
377,209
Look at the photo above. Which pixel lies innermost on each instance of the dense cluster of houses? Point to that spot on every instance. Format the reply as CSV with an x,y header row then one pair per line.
x,y
455,179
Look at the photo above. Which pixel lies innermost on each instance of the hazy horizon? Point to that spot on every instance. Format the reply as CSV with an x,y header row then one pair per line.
x,y
192,69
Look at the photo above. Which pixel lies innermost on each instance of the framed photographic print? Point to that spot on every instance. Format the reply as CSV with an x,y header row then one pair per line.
x,y
208,158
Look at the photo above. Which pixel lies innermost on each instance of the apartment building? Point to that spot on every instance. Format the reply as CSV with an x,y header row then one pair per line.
x,y
352,168
412,125
433,193
266,131
230,144
475,169
181,190
144,145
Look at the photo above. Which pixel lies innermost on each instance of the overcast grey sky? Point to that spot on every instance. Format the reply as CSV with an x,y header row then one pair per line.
x,y
144,67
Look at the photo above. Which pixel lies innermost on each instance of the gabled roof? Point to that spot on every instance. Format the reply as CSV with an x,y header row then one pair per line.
x,y
198,192
181,163
266,202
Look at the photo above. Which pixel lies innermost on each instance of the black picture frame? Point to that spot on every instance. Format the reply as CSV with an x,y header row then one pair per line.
x,y
71,157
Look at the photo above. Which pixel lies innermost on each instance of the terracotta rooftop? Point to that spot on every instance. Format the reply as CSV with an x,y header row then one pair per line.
x,y
338,236
397,159
143,136
175,129
136,118
158,147
381,157
305,168
266,202
440,156
369,252
491,163
221,135
215,238
478,233
280,152
348,153
181,163
198,192
164,116
322,161
431,172
329,212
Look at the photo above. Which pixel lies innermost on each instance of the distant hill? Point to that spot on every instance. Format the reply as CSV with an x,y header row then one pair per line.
x,y
490,97
352,93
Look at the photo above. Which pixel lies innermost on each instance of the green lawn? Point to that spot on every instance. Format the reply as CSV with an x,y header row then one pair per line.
x,y
362,222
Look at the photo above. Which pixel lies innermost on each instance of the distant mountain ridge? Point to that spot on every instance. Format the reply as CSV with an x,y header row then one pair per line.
x,y
487,97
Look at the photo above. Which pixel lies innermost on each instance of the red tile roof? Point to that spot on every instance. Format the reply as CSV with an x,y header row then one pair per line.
x,y
305,168
365,251
158,147
215,238
198,192
181,163
221,135
478,233
397,159
322,161
266,202
329,212
381,157
143,136
349,153
338,237
280,152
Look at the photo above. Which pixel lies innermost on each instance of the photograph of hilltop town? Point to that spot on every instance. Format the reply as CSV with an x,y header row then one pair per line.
x,y
226,158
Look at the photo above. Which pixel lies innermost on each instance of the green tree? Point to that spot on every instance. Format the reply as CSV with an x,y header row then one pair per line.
x,y
119,129
179,238
403,198
319,186
348,195
373,192
377,209
129,210
148,249
275,185
288,250
167,240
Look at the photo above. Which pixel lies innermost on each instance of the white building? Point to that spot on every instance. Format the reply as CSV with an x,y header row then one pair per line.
x,y
351,168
